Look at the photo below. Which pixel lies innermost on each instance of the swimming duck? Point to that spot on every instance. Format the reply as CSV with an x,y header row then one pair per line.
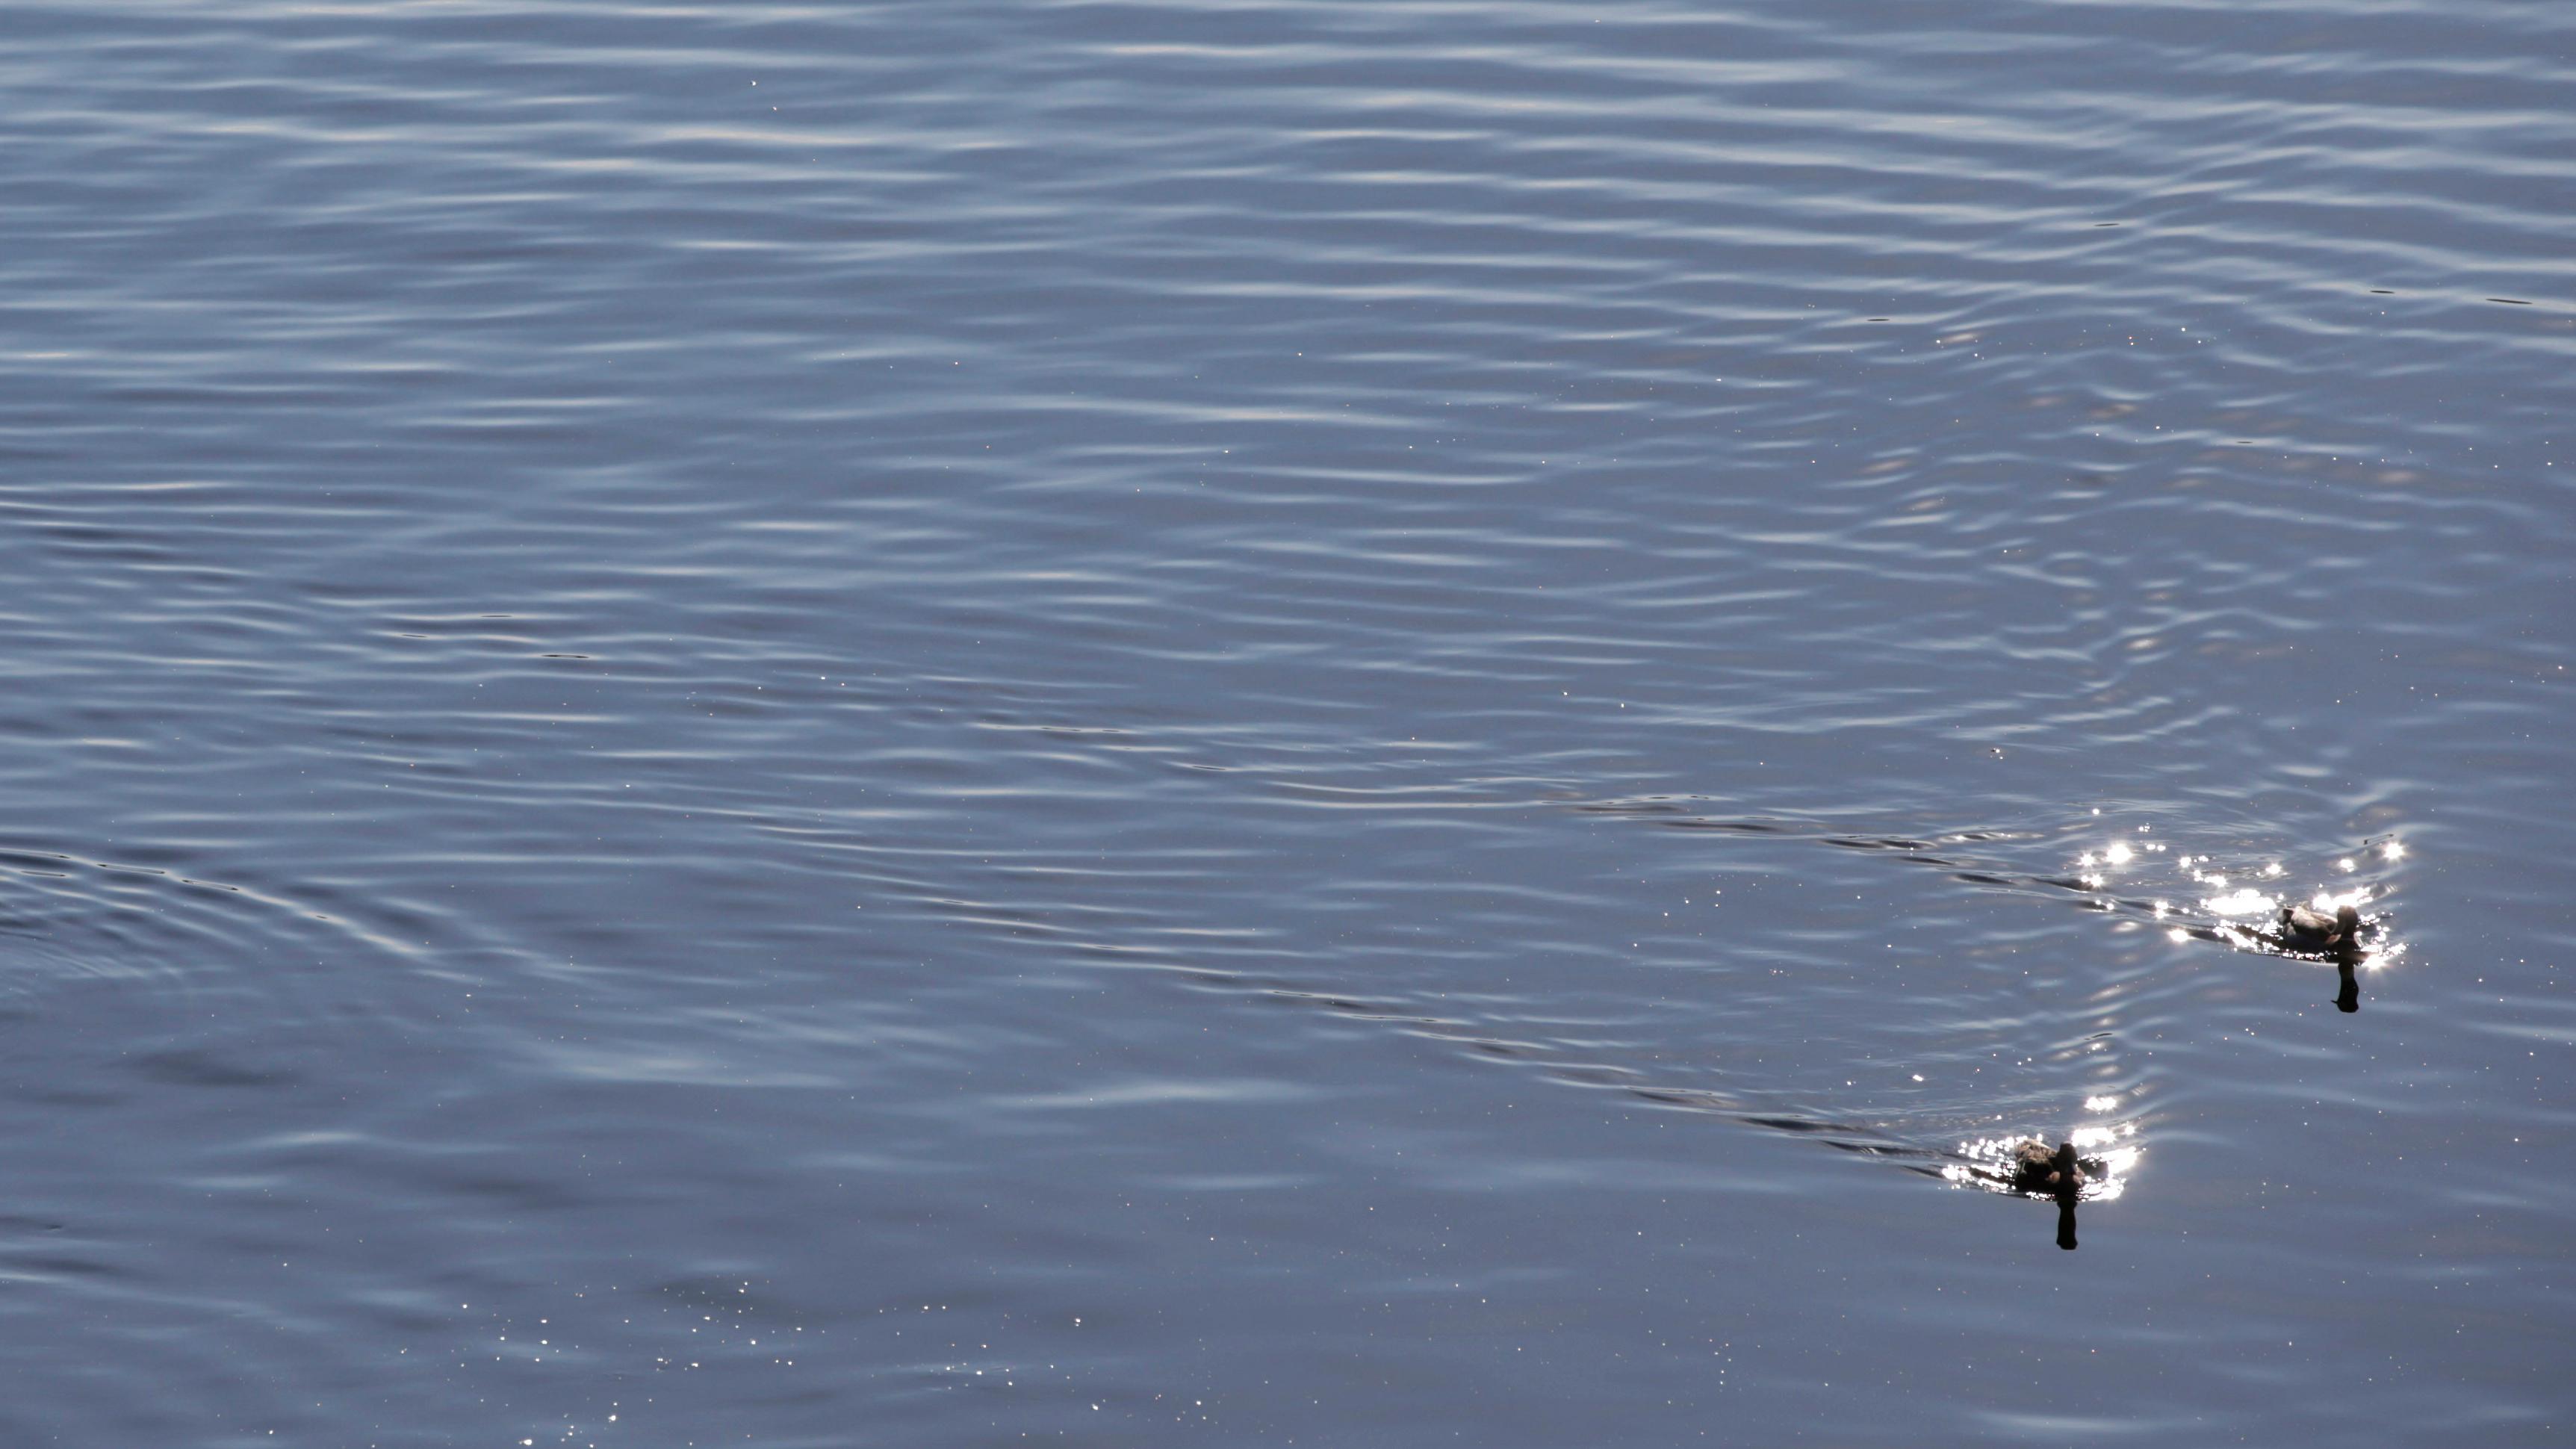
x,y
2039,1168
2315,931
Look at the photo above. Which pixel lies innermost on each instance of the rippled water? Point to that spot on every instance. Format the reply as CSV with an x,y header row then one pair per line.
x,y
1315,722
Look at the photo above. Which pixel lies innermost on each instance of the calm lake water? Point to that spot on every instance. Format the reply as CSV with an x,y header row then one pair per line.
x,y
1286,721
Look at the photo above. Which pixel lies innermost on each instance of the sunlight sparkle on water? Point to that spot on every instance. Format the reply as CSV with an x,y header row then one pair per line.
x,y
2240,903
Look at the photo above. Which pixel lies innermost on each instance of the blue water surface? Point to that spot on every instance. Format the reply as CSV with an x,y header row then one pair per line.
x,y
1297,721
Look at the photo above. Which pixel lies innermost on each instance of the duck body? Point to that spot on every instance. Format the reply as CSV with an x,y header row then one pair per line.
x,y
2316,931
2038,1167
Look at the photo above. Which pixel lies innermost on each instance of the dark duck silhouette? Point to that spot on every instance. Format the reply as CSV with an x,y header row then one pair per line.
x,y
2316,931
2039,1168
